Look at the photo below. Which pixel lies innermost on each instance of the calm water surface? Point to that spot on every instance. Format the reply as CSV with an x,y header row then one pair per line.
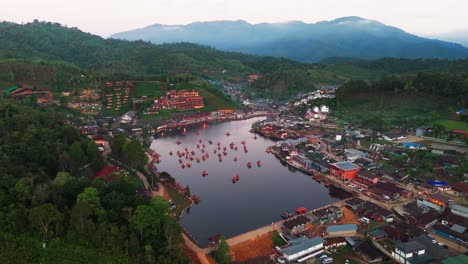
x,y
257,199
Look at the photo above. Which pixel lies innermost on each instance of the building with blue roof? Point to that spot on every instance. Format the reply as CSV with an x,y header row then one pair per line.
x,y
302,248
411,145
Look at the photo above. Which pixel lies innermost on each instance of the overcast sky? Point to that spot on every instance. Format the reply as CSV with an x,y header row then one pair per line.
x,y
104,17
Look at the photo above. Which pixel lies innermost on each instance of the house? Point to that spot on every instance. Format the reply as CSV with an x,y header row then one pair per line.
x,y
367,178
298,224
105,172
386,190
426,220
354,203
327,214
342,230
395,135
422,131
460,189
368,252
344,170
377,234
334,242
411,145
409,252
434,201
459,210
302,248
456,232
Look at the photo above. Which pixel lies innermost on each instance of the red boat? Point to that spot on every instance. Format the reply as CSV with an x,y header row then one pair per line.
x,y
219,155
214,151
200,140
249,165
210,141
195,199
224,148
180,160
188,165
207,155
255,137
203,157
301,210
198,160
204,173
178,142
192,152
170,153
235,158
235,148
220,159
225,153
243,142
183,166
203,150
259,163
198,146
235,178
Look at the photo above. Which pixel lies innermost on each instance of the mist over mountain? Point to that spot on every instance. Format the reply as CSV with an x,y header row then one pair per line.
x,y
344,37
458,36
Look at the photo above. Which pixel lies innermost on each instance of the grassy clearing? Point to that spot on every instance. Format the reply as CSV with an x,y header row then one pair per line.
x,y
391,107
149,89
179,199
452,124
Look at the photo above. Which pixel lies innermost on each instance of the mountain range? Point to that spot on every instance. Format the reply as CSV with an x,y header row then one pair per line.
x,y
352,37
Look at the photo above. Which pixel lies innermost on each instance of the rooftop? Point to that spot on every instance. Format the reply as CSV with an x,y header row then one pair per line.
x,y
377,233
339,228
345,166
409,247
301,244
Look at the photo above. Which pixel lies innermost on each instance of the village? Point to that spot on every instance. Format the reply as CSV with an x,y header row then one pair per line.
x,y
403,196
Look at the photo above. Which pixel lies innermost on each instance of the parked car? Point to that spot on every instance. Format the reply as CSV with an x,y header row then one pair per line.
x,y
327,260
281,260
346,261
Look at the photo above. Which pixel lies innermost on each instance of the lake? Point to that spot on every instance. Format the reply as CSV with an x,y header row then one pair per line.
x,y
256,200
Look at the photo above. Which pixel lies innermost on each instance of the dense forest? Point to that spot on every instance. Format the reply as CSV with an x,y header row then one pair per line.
x,y
54,210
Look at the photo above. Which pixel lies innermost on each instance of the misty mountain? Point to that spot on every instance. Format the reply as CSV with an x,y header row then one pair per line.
x,y
344,37
459,36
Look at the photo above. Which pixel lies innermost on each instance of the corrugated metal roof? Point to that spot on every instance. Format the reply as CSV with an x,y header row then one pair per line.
x,y
340,228
345,165
301,244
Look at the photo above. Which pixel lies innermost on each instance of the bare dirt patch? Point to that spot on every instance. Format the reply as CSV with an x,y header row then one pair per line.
x,y
255,247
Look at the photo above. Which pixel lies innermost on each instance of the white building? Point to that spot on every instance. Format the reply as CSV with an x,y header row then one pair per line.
x,y
406,252
302,248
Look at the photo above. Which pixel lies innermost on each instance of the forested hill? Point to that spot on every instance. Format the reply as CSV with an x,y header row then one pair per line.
x,y
51,41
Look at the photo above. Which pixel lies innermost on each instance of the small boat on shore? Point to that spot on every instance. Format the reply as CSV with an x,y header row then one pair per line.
x,y
286,215
301,210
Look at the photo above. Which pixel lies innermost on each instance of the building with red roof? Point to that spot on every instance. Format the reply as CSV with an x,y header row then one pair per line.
x,y
106,172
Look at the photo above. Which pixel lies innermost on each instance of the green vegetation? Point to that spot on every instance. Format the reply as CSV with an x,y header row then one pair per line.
x,y
344,253
149,89
278,241
222,253
180,200
452,124
407,101
55,211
